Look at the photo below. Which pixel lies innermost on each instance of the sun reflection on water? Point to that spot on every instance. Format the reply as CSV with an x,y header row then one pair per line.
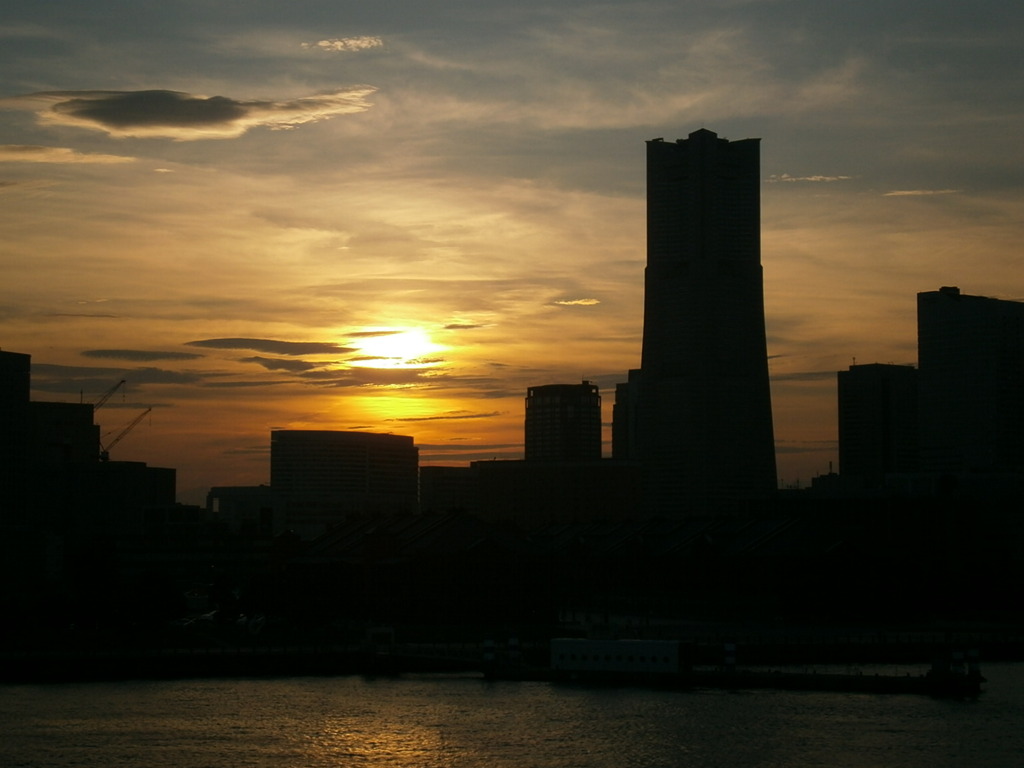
x,y
377,743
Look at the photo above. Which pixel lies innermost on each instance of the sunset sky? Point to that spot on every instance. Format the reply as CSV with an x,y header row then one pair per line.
x,y
397,216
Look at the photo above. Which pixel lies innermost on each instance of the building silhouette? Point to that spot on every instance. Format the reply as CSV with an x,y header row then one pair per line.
x,y
533,494
971,370
563,422
321,477
51,477
704,416
624,415
15,380
242,510
40,434
877,422
446,489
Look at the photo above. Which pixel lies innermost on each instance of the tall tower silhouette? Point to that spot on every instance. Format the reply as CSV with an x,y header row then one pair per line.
x,y
705,422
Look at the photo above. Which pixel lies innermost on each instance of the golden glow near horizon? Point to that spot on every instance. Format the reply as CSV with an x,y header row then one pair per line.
x,y
359,221
394,348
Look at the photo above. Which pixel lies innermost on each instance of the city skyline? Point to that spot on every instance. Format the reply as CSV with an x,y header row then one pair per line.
x,y
235,210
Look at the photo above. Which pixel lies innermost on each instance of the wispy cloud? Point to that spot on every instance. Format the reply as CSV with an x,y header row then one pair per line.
x,y
804,376
578,302
370,377
139,355
273,346
277,364
919,192
346,44
31,153
805,446
70,378
82,314
183,116
372,334
785,177
453,415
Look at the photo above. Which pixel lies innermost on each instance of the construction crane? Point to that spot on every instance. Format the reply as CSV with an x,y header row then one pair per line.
x,y
105,451
107,395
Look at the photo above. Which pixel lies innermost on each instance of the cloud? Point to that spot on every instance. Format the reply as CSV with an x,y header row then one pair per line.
x,y
578,302
250,450
785,177
183,116
461,326
245,384
30,153
371,334
371,377
276,364
805,446
346,44
139,355
273,346
82,314
450,416
804,376
918,192
49,377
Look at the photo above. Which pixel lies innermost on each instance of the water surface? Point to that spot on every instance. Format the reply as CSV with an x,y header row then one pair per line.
x,y
462,721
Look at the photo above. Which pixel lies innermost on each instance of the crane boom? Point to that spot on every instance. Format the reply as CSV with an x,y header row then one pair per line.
x,y
105,451
107,395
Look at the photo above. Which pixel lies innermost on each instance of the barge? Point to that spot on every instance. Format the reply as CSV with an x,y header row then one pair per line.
x,y
666,664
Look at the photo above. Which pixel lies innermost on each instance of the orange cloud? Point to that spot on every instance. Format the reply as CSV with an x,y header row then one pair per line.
x,y
31,153
578,302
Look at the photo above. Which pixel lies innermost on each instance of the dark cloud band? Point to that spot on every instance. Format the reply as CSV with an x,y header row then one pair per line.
x,y
139,355
273,346
184,116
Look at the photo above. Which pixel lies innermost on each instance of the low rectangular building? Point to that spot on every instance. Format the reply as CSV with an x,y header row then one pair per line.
x,y
323,477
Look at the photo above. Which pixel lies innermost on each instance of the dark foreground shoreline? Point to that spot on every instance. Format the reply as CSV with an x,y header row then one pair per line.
x,y
182,663
174,665
758,665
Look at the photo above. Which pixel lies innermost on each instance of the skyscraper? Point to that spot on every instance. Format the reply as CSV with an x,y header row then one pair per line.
x,y
877,422
705,419
563,422
971,382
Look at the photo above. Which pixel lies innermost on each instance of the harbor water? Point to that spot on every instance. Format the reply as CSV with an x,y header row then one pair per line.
x,y
455,721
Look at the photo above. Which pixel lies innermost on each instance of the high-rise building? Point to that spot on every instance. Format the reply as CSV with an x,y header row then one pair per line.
x,y
705,421
624,415
563,422
14,414
877,422
321,477
971,372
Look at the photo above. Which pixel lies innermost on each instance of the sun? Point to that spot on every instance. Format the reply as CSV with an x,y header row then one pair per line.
x,y
393,348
